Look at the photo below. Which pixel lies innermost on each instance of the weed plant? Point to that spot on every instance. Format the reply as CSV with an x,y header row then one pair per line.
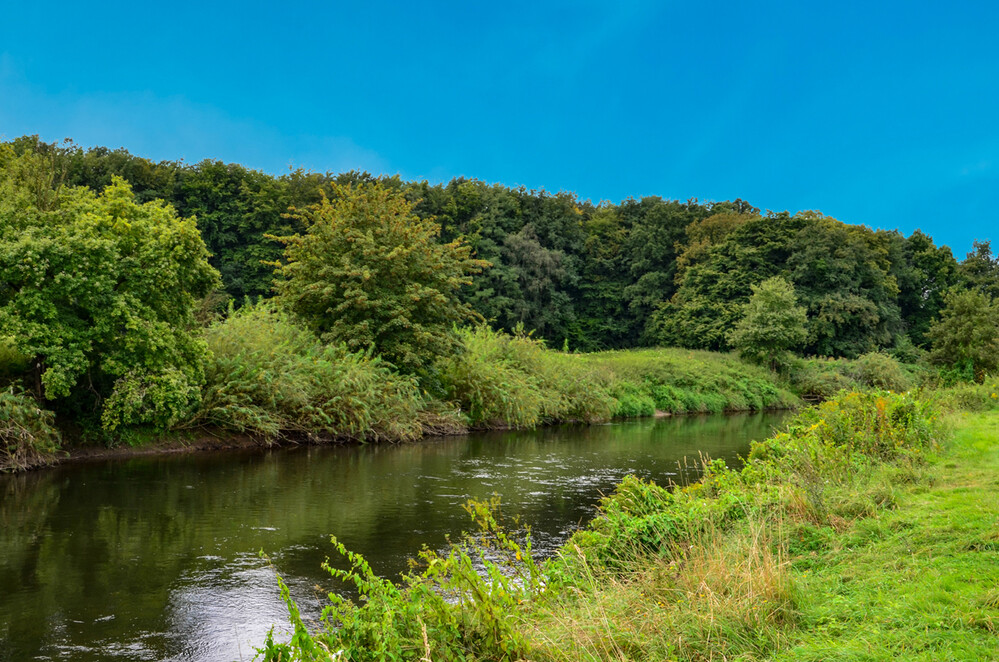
x,y
686,381
503,380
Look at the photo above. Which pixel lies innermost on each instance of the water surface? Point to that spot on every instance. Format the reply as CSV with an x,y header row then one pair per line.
x,y
158,558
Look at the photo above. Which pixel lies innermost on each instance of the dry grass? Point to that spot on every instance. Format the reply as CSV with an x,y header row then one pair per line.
x,y
725,594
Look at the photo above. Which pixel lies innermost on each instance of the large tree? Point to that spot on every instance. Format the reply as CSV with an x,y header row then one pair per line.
x,y
100,292
966,336
980,269
372,274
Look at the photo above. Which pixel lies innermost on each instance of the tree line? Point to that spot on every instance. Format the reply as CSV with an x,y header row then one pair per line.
x,y
590,276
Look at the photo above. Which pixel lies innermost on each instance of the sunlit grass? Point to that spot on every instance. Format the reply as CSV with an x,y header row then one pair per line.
x,y
919,581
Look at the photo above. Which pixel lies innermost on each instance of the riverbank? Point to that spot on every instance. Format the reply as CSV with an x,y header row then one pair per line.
x,y
271,383
866,529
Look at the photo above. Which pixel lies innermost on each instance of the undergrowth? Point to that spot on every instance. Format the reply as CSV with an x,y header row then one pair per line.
x,y
28,436
502,380
271,377
704,571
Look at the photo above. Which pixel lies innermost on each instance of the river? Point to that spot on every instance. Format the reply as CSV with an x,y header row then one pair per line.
x,y
157,558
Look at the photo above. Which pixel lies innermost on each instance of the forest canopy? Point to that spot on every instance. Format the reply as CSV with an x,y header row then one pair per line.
x,y
587,276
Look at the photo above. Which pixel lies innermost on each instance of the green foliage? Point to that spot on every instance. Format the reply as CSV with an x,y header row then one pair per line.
x,y
772,323
705,565
514,381
847,277
455,606
643,271
28,436
370,274
13,364
980,269
967,334
821,379
880,371
100,292
717,280
271,377
924,276
969,396
686,381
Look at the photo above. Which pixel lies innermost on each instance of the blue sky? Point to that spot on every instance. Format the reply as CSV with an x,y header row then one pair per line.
x,y
882,113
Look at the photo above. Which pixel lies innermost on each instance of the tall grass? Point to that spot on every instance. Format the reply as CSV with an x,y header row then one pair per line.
x,y
700,572
687,381
270,377
28,436
502,380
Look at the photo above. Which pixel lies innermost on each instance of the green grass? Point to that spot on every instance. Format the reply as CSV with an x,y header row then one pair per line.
x,y
514,381
887,555
689,381
921,581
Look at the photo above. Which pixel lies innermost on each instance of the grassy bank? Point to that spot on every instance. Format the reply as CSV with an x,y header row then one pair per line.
x,y
505,380
865,531
271,379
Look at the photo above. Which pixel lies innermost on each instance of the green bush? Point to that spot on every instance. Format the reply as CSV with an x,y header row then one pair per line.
x,y
969,396
503,380
13,363
455,606
28,436
879,370
271,377
632,400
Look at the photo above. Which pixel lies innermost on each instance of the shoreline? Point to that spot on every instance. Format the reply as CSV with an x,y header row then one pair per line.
x,y
204,441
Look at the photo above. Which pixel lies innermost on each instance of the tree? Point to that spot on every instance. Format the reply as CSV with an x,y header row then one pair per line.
x,y
924,276
371,274
980,269
772,323
100,292
966,337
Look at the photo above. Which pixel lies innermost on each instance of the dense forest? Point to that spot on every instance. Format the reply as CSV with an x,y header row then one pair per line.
x,y
640,272
171,247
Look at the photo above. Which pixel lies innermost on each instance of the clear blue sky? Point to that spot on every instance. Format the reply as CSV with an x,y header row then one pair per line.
x,y
882,113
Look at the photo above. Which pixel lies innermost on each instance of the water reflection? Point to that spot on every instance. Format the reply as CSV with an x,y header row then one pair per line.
x,y
157,558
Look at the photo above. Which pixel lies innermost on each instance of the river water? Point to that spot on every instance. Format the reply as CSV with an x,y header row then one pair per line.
x,y
157,558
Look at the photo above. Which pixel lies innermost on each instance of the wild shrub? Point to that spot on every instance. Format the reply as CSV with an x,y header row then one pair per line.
x,y
969,396
28,436
271,377
878,370
632,400
503,380
13,363
491,389
821,379
456,605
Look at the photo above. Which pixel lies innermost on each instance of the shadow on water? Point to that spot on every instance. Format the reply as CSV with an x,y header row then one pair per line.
x,y
157,558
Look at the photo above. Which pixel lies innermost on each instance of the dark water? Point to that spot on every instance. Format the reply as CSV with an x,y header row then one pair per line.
x,y
157,558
